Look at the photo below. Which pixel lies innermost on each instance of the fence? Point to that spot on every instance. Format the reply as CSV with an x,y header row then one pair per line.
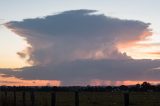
x,y
14,98
4,100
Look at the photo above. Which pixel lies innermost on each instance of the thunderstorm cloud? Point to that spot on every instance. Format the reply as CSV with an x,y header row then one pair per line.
x,y
79,46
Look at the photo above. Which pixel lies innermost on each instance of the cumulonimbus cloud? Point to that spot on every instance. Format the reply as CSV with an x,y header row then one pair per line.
x,y
76,34
78,46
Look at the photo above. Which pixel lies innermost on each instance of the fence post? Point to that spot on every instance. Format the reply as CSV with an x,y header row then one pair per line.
x,y
76,98
126,99
5,98
24,98
14,97
32,99
53,99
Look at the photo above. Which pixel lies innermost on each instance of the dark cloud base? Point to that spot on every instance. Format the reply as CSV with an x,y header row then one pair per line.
x,y
77,46
73,73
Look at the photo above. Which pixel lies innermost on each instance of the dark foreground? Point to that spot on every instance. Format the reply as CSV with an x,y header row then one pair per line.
x,y
85,99
137,95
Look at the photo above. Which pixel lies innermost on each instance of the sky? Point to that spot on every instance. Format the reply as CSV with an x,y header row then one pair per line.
x,y
105,42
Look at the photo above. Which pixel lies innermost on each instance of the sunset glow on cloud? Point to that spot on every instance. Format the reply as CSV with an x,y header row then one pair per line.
x,y
12,81
77,46
141,49
68,42
117,83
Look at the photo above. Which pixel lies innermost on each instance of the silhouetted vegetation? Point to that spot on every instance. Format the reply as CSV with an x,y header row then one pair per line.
x,y
144,87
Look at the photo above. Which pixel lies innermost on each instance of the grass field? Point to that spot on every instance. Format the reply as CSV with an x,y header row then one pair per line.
x,y
85,99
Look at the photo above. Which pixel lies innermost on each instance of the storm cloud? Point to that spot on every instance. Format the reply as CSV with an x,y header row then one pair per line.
x,y
78,46
77,34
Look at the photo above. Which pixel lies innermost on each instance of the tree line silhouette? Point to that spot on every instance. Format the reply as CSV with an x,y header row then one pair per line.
x,y
145,86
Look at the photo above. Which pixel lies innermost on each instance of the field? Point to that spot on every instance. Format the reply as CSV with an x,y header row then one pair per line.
x,y
85,99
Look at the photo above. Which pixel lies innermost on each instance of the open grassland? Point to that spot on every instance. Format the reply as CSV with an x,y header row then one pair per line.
x,y
85,99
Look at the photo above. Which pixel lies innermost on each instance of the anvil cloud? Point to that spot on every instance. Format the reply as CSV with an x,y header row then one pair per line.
x,y
79,46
